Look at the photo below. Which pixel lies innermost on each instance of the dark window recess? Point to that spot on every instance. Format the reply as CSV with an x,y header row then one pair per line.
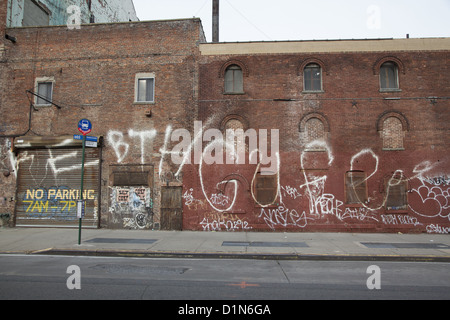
x,y
313,77
234,80
266,189
397,196
130,179
355,187
389,76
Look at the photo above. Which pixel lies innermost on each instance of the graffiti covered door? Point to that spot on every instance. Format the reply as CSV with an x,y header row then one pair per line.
x,y
131,197
131,207
171,208
49,186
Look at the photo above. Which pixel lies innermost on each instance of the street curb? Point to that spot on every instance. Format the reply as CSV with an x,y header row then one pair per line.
x,y
248,256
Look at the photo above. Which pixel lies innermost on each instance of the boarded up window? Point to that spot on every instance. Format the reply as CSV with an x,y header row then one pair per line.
x,y
131,179
355,187
266,189
396,195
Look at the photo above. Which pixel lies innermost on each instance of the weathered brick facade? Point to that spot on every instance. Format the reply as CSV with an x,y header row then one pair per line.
x,y
352,154
95,73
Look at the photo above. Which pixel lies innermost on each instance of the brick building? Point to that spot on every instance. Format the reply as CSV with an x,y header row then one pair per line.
x,y
22,13
133,81
358,130
363,136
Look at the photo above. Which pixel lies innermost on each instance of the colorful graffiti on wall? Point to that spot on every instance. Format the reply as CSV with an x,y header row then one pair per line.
x,y
131,207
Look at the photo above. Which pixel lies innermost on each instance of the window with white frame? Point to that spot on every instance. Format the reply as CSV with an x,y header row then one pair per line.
x,y
44,91
145,88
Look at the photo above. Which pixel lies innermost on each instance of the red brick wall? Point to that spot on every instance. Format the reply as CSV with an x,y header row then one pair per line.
x,y
94,71
353,111
3,14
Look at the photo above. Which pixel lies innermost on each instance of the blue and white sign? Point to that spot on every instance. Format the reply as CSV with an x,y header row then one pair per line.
x,y
85,127
91,142
88,138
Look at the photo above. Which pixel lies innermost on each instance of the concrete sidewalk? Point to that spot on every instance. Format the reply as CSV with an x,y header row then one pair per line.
x,y
247,245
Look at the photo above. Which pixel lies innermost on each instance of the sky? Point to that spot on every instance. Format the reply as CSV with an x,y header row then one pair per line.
x,y
264,20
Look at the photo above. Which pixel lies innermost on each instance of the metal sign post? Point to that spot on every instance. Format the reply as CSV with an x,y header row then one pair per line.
x,y
85,127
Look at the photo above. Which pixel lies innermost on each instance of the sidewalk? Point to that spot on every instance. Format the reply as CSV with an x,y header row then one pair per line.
x,y
244,245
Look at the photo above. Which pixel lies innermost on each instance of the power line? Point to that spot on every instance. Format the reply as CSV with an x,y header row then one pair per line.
x,y
243,16
199,10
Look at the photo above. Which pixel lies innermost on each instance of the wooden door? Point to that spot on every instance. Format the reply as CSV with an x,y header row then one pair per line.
x,y
171,208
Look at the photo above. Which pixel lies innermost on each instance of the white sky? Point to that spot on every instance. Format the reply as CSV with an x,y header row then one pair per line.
x,y
255,20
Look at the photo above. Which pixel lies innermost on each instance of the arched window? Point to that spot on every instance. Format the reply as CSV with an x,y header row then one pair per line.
x,y
312,77
231,127
392,134
315,129
234,129
389,76
234,79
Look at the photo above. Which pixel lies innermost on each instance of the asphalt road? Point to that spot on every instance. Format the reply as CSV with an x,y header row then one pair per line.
x,y
99,278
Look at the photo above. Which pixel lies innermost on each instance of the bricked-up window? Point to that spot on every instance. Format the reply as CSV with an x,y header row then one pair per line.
x,y
392,134
315,131
312,77
389,76
145,88
355,187
239,144
266,190
234,80
396,194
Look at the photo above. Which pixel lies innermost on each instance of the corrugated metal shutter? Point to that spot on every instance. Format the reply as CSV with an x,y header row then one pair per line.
x,y
49,187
